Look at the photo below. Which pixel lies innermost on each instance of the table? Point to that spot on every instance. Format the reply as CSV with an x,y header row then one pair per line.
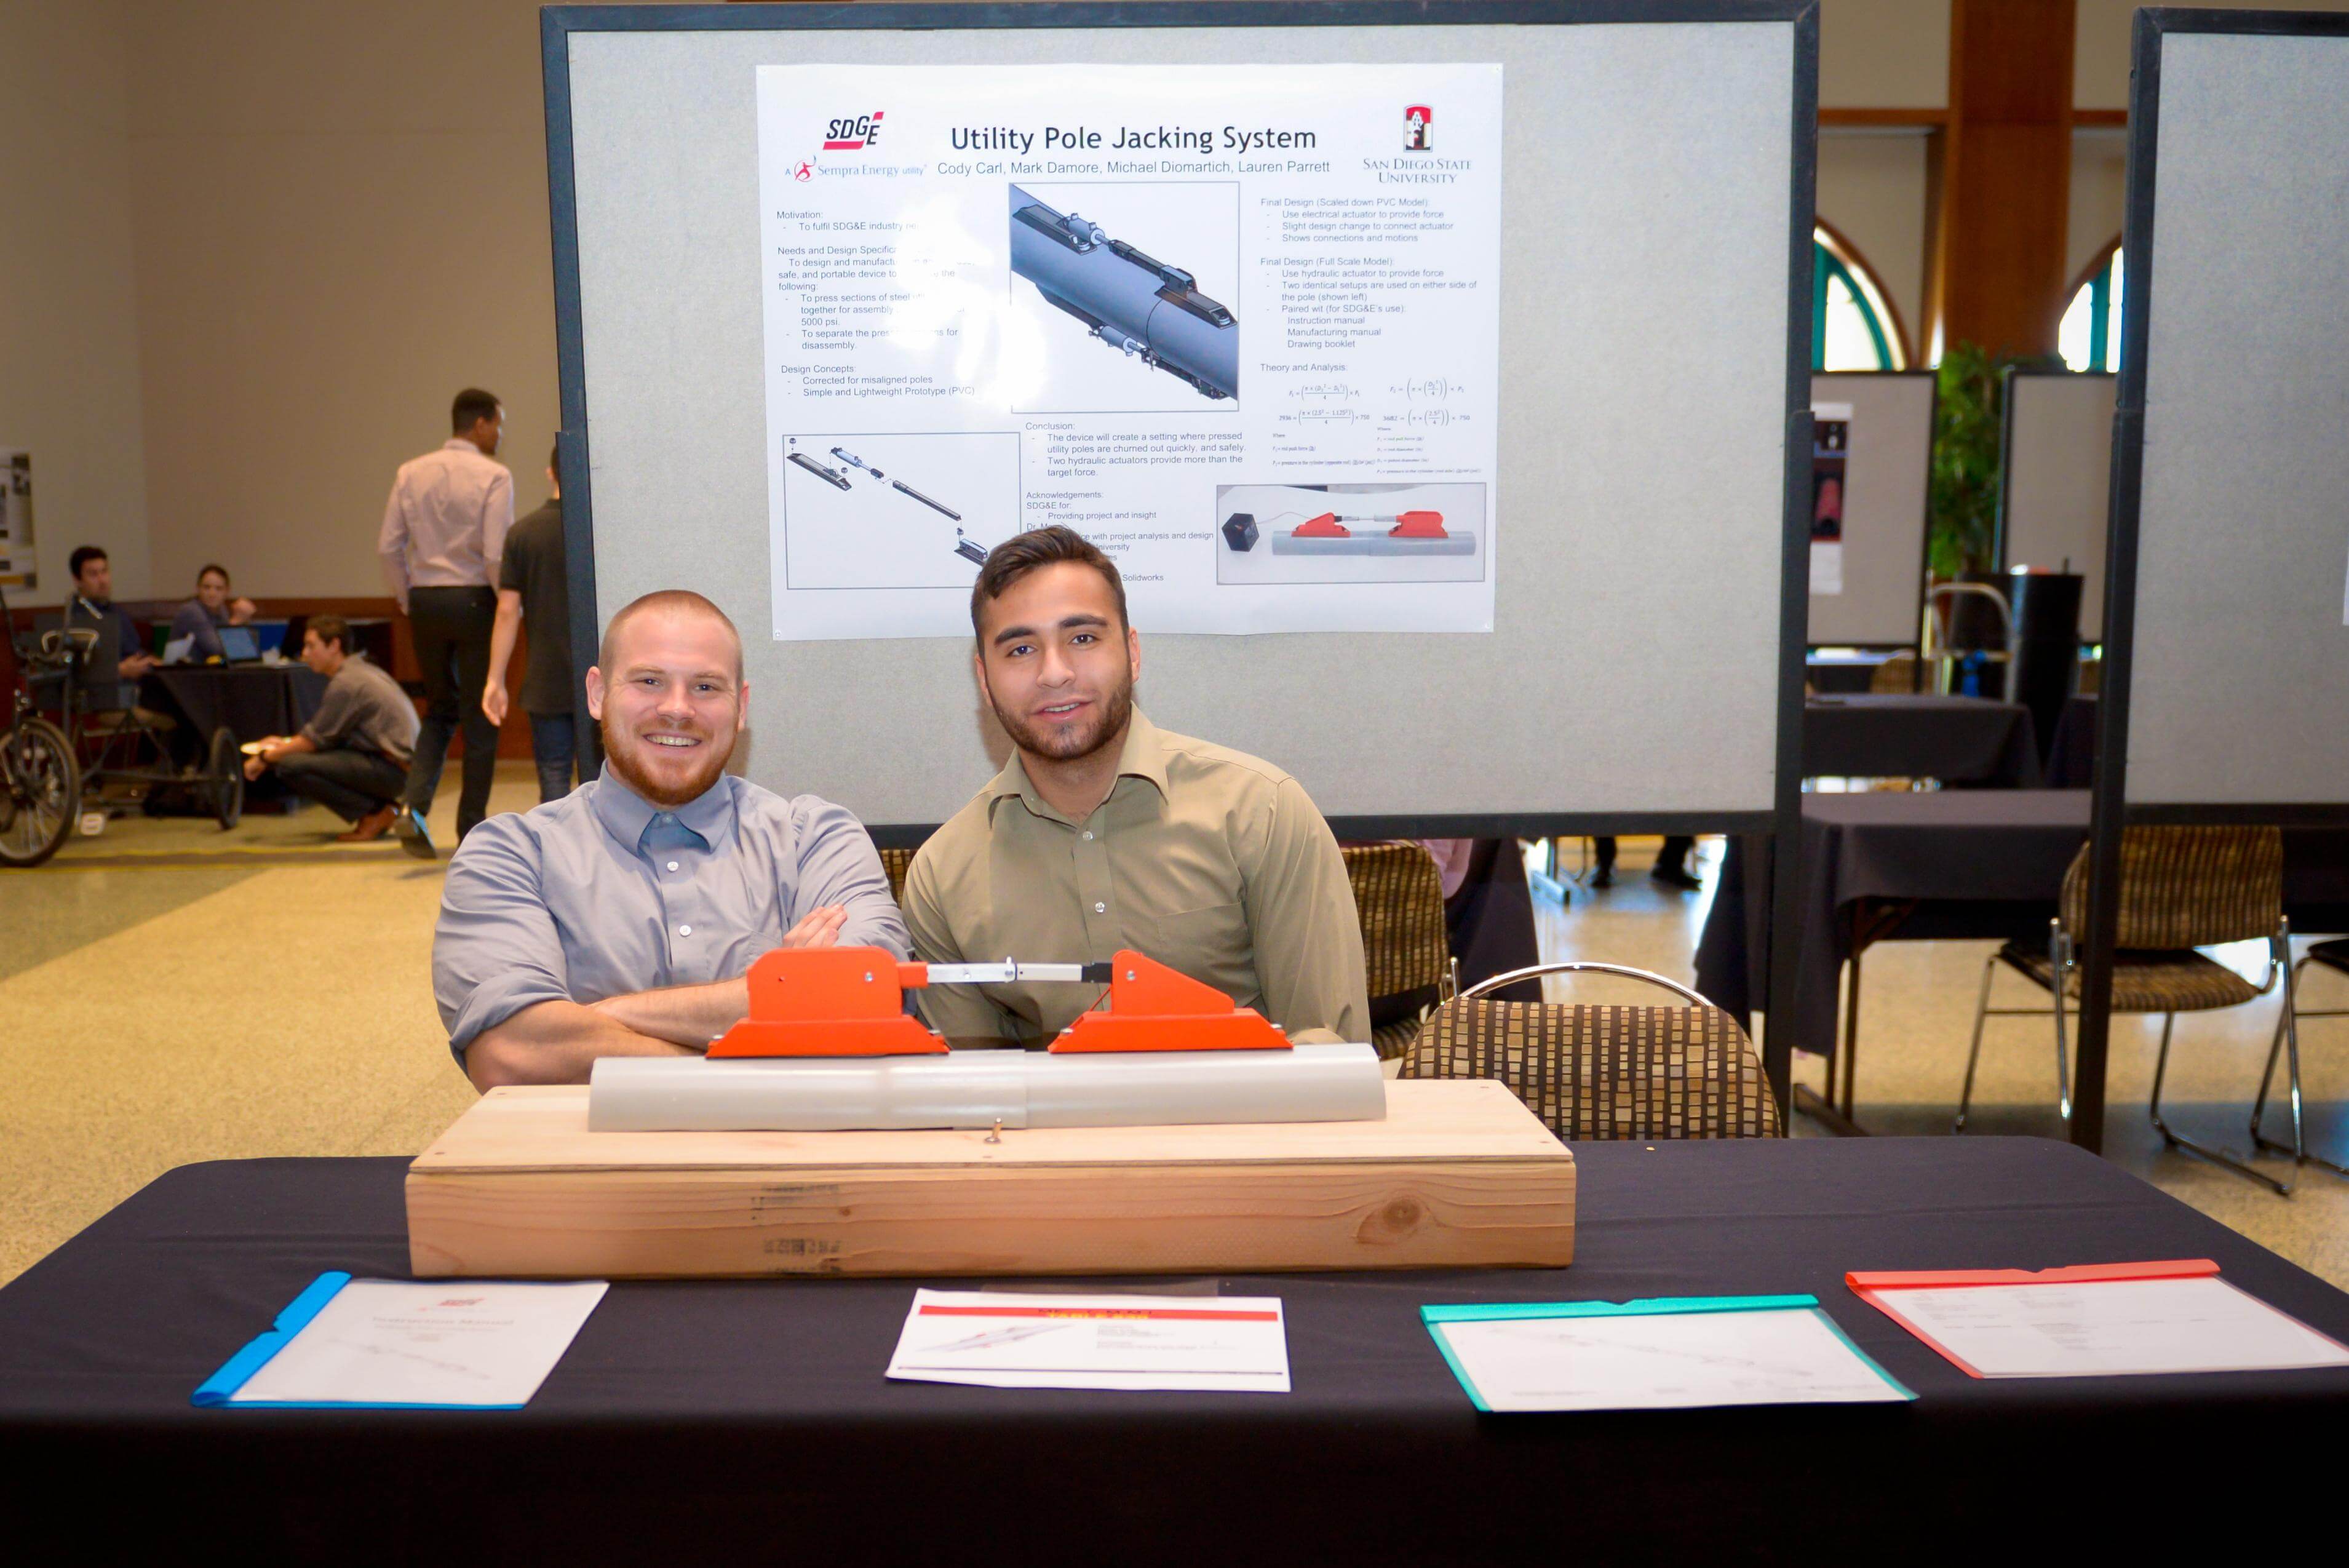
x,y
1967,740
2072,750
253,700
1981,864
753,1415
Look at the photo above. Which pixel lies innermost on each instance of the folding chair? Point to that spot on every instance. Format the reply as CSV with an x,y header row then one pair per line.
x,y
2181,888
1406,950
1604,1073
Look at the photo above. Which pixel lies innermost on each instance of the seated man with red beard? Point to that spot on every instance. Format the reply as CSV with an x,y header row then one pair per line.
x,y
1105,832
620,920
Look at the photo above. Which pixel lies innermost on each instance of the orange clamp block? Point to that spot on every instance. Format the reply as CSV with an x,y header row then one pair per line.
x,y
829,1001
1325,526
1419,525
1155,1007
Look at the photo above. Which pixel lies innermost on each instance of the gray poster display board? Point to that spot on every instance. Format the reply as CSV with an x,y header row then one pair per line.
x,y
2227,616
1644,665
1882,596
2055,485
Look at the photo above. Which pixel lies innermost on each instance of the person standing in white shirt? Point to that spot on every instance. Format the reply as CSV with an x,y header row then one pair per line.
x,y
444,530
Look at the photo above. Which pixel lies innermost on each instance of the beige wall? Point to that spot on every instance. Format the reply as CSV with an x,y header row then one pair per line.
x,y
1872,190
68,336
2100,53
1884,53
342,219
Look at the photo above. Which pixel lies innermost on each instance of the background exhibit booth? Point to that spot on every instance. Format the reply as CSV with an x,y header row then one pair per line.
x,y
1641,552
1878,596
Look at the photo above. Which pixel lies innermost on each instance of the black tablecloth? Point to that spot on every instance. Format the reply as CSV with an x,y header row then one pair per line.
x,y
1984,863
1958,739
754,1415
2072,750
1842,674
253,700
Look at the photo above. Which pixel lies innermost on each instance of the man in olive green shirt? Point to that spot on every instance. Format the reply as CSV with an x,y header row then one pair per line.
x,y
1105,832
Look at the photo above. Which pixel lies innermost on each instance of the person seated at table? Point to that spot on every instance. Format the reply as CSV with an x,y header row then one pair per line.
x,y
620,920
200,618
1103,831
352,756
92,607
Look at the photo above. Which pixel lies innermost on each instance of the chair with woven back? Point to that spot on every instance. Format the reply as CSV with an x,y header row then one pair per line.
x,y
2181,888
1897,674
1605,1071
896,863
1406,952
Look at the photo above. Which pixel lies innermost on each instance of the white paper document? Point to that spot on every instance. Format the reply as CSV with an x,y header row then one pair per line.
x,y
439,1343
2106,1328
1005,1340
1659,1361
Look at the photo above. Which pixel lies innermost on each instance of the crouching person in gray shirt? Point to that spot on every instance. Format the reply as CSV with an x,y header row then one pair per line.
x,y
352,756
620,920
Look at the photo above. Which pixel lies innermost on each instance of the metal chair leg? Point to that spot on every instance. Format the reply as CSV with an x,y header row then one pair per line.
x,y
1981,1014
2063,1079
2216,1156
2288,1036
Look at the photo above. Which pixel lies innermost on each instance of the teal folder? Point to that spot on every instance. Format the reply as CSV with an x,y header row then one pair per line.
x,y
1652,1306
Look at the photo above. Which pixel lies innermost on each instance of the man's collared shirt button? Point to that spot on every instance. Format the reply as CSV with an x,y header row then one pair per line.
x,y
1089,834
672,865
685,930
1100,908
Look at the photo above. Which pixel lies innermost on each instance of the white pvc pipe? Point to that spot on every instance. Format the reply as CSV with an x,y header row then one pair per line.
x,y
978,1088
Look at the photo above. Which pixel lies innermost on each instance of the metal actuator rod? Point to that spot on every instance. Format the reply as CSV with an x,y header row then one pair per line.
x,y
854,460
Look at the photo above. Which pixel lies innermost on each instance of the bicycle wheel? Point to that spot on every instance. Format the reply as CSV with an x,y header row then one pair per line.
x,y
40,791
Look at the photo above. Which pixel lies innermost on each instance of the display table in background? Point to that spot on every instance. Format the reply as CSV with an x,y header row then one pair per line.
x,y
1958,740
752,1417
1981,864
253,700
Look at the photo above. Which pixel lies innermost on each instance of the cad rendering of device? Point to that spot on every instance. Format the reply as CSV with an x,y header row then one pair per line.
x,y
1411,534
854,460
1133,301
827,1045
829,474
969,549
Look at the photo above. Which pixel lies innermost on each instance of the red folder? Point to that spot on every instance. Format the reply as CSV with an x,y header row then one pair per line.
x,y
1871,1288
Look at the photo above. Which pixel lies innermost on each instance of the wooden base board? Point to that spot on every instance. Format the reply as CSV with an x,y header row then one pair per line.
x,y
1459,1174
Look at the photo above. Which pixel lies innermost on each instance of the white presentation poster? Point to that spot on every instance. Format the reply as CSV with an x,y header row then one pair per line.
x,y
1830,453
18,567
1238,325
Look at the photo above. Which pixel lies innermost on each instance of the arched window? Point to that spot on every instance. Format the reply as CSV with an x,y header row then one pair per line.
x,y
2089,337
1853,327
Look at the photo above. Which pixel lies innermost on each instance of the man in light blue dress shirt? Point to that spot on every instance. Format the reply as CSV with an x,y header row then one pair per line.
x,y
620,920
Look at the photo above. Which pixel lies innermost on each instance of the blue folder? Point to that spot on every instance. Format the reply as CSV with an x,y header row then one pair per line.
x,y
215,1393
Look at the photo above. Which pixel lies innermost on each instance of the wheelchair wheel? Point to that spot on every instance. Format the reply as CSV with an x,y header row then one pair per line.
x,y
224,778
40,791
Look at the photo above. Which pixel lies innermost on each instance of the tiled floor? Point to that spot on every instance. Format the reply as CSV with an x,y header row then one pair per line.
x,y
170,993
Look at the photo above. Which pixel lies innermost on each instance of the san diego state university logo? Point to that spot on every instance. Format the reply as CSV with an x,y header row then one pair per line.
x,y
849,134
1417,133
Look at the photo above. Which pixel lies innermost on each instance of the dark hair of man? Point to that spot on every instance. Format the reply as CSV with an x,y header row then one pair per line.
x,y
209,570
332,629
664,599
472,406
82,557
1039,547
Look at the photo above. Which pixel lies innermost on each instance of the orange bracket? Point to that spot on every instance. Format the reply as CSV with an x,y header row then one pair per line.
x,y
829,1001
1418,525
1153,1008
1325,526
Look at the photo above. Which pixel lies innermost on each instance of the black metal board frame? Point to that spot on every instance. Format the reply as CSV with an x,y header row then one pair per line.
x,y
2110,810
1924,520
573,446
2012,374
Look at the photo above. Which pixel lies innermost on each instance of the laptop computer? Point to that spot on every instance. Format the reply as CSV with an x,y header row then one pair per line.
x,y
238,645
